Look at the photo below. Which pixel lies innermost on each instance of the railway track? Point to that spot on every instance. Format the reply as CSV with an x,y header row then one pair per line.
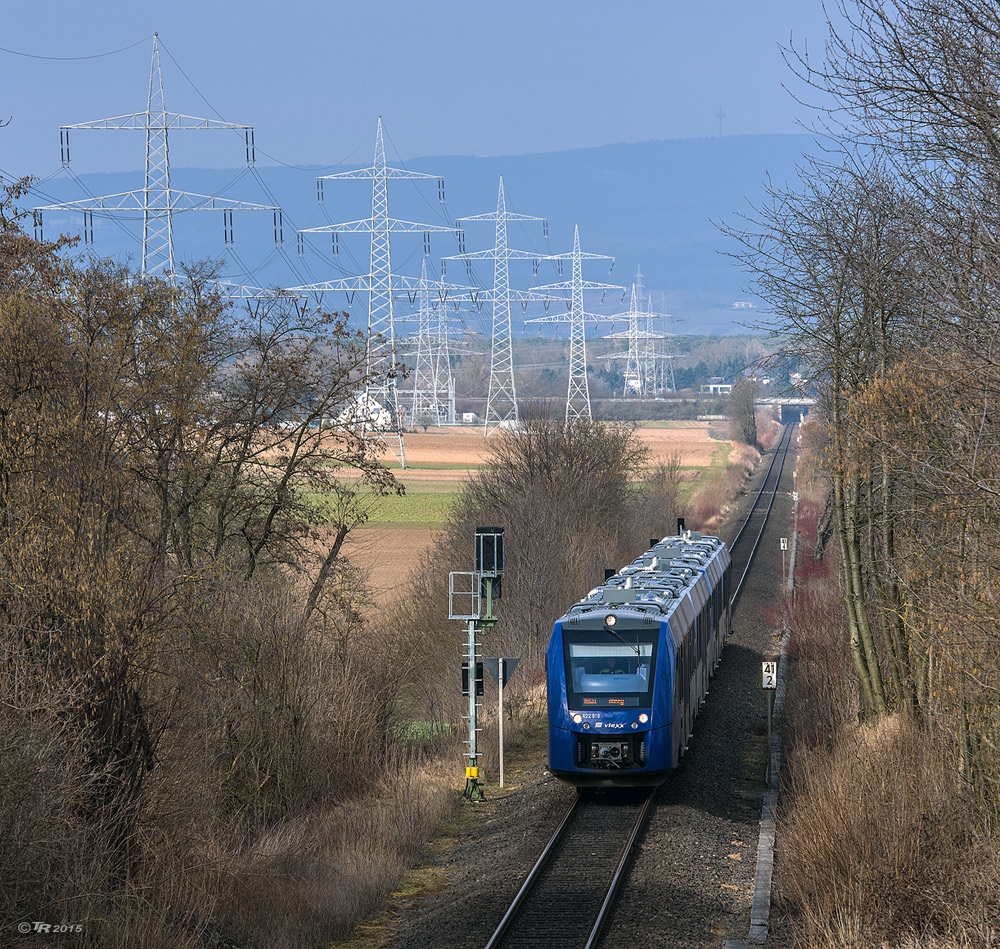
x,y
566,899
741,549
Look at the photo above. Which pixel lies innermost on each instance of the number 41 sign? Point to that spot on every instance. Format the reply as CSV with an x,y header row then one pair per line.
x,y
769,675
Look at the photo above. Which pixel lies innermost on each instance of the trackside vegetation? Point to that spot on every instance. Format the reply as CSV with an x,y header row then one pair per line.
x,y
184,689
880,269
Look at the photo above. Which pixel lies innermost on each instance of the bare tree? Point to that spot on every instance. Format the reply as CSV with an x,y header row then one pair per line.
x,y
741,409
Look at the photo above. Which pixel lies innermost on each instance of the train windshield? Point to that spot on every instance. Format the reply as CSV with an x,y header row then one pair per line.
x,y
603,672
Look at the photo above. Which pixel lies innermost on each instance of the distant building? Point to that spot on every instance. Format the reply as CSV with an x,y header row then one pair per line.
x,y
366,414
715,386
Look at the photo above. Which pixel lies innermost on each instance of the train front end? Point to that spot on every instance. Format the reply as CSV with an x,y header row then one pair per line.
x,y
609,708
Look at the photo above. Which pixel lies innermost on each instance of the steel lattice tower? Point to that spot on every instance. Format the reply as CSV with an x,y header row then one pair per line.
x,y
380,284
501,403
578,391
433,388
661,358
442,379
157,200
638,359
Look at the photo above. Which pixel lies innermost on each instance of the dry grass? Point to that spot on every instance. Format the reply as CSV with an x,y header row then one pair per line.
x,y
878,848
878,844
309,880
822,696
710,504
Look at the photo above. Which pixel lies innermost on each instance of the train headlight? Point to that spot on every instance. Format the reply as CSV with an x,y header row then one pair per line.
x,y
577,718
643,718
610,619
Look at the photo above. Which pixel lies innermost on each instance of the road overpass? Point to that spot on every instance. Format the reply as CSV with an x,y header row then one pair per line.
x,y
786,408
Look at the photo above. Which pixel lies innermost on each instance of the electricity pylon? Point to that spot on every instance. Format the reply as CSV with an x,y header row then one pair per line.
x,y
157,200
639,335
578,391
660,359
381,391
501,403
433,385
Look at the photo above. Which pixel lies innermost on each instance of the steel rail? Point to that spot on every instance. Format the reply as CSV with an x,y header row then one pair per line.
x,y
763,484
544,861
767,514
529,881
620,872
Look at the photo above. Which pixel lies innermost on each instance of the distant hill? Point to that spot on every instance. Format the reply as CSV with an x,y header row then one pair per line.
x,y
649,204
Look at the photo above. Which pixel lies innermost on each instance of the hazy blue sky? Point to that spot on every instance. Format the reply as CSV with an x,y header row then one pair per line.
x,y
498,78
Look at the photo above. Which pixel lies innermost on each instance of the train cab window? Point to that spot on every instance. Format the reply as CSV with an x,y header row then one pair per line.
x,y
602,672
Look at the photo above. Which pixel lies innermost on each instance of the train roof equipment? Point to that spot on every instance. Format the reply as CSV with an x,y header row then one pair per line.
x,y
657,581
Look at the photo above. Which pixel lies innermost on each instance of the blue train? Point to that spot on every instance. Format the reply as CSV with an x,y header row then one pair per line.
x,y
628,667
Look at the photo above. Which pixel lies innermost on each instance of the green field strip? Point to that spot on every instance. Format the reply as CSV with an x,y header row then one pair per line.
x,y
720,457
431,487
427,508
442,466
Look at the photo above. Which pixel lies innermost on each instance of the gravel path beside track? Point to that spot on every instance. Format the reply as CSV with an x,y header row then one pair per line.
x,y
692,882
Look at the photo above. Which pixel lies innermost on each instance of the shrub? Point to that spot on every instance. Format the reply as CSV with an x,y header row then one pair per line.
x,y
879,847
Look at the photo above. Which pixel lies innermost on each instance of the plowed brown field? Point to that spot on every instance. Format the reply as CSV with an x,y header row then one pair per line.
x,y
446,454
390,551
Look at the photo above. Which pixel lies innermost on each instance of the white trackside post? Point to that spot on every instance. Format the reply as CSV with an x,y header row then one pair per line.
x,y
500,700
